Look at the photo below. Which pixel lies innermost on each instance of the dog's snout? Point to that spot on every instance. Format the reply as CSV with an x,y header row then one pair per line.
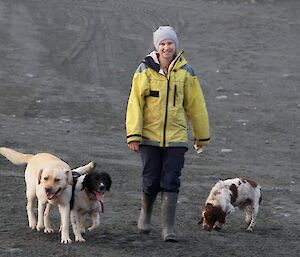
x,y
101,187
48,190
207,227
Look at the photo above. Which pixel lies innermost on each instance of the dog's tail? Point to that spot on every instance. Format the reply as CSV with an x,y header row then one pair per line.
x,y
15,157
86,168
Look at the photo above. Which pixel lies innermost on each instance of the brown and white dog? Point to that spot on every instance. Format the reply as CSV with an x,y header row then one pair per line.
x,y
49,179
225,196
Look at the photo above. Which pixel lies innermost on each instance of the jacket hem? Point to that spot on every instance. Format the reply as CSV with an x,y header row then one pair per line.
x,y
171,144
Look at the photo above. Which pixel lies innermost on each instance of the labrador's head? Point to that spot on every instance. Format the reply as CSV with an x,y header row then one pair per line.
x,y
55,180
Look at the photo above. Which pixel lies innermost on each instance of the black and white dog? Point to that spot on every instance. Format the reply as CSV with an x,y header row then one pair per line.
x,y
87,198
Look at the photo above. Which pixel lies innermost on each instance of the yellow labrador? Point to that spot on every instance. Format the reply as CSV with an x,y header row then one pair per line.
x,y
49,179
75,172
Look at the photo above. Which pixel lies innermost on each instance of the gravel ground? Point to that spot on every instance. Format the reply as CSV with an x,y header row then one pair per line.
x,y
65,76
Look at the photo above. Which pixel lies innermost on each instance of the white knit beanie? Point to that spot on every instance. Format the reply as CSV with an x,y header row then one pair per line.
x,y
163,33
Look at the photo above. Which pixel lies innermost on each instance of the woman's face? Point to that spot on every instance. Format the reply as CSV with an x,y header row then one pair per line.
x,y
167,49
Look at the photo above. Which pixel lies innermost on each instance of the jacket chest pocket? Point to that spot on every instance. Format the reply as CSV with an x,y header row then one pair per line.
x,y
177,94
177,114
153,108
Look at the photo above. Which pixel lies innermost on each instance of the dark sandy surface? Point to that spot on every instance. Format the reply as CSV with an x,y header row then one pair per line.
x,y
65,75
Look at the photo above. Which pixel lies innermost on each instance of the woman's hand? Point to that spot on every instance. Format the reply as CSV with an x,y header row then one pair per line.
x,y
134,146
198,148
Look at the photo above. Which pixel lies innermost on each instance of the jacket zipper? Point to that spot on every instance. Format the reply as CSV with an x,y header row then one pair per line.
x,y
166,115
175,94
167,102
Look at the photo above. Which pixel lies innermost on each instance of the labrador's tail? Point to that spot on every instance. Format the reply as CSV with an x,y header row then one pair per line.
x,y
15,157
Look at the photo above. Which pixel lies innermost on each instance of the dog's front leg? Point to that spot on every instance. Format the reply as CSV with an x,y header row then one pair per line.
x,y
76,226
230,209
40,223
95,219
48,228
64,210
82,224
31,217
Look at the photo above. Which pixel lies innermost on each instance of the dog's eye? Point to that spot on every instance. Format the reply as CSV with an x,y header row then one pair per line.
x,y
46,178
57,180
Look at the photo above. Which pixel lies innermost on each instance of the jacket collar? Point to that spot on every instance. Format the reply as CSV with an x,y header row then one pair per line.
x,y
152,62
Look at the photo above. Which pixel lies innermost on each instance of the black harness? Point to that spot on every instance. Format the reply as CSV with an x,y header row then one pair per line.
x,y
75,175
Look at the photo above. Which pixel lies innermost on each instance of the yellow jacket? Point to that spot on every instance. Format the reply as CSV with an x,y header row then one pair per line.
x,y
159,104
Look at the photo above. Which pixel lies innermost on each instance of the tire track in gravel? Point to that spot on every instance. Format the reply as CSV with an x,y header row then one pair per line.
x,y
85,36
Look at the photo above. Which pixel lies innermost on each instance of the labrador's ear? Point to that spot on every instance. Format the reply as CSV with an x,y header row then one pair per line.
x,y
69,177
40,176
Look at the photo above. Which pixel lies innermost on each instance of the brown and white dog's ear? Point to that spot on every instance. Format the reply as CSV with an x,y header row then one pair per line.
x,y
40,176
200,220
69,177
221,215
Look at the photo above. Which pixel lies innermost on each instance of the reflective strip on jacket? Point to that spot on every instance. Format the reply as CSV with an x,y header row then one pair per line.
x,y
159,105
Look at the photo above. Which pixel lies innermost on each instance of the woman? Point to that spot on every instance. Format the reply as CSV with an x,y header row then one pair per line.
x,y
164,92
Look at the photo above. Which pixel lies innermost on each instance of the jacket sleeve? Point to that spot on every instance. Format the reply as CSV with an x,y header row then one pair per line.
x,y
134,114
195,108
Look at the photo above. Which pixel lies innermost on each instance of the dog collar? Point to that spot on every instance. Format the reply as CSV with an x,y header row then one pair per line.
x,y
93,197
